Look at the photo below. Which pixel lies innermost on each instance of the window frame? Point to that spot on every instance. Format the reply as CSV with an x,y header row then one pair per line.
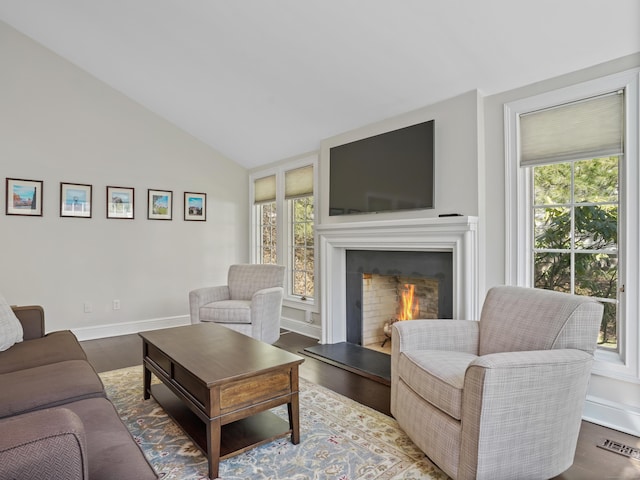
x,y
283,227
624,364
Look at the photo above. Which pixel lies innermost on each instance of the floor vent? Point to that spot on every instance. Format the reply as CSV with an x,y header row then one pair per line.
x,y
621,449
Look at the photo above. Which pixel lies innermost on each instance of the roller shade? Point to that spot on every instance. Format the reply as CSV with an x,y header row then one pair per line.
x,y
264,190
298,182
589,128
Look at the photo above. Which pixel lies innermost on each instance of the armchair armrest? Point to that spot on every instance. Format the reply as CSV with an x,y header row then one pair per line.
x,y
266,310
541,390
43,444
452,335
202,296
32,319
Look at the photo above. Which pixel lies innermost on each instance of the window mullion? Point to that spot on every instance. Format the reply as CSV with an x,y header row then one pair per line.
x,y
573,229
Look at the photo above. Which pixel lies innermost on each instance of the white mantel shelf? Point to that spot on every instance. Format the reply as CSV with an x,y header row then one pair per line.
x,y
457,235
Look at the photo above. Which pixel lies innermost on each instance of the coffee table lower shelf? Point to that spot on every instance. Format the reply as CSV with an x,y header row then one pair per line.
x,y
236,437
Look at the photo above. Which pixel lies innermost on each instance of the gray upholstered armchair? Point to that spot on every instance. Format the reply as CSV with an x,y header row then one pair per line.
x,y
501,398
250,303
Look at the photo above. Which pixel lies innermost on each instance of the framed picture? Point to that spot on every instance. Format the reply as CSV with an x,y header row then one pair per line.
x,y
120,202
24,197
195,206
75,200
160,204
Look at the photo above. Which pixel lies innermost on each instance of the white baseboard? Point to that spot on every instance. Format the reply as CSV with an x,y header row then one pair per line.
x,y
303,328
613,415
115,329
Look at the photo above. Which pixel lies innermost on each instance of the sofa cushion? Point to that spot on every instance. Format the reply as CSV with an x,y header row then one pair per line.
x,y
436,376
48,386
52,348
10,326
113,453
226,311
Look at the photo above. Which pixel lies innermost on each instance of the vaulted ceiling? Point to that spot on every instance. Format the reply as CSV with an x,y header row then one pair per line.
x,y
264,80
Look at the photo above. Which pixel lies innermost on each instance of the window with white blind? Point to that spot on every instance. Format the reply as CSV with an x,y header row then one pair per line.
x,y
572,202
283,225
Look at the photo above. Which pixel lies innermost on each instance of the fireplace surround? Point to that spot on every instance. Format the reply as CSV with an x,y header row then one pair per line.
x,y
457,235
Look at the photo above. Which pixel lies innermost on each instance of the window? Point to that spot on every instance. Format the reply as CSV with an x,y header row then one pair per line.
x,y
575,233
572,203
301,214
287,238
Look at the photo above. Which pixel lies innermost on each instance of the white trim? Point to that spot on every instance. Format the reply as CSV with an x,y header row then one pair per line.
x,y
612,415
126,328
307,329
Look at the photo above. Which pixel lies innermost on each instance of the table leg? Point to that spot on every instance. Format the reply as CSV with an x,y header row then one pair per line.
x,y
214,430
147,383
294,418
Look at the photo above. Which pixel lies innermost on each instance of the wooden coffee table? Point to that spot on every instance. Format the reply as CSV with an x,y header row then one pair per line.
x,y
218,385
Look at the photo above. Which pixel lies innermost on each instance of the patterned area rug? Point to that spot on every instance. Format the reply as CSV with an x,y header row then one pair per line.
x,y
340,439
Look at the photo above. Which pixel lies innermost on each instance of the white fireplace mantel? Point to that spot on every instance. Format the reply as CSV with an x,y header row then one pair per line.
x,y
447,234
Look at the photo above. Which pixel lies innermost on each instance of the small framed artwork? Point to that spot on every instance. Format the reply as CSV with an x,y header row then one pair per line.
x,y
120,202
160,204
75,200
24,197
195,206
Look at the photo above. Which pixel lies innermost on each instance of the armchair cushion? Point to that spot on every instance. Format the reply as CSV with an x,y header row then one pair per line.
x,y
10,326
519,319
226,311
437,377
245,280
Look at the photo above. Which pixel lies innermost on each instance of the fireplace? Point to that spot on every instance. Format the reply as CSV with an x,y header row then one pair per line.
x,y
455,237
377,281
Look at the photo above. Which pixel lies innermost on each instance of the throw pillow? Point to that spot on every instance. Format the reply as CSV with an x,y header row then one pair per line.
x,y
10,326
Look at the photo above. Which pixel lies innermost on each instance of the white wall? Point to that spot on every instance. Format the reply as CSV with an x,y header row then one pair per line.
x,y
57,123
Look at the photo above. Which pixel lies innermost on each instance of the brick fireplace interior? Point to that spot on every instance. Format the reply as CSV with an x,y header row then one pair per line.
x,y
378,280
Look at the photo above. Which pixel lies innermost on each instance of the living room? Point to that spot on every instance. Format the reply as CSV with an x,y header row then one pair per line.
x,y
63,123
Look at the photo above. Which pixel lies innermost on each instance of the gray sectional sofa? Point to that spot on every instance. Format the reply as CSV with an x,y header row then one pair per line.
x,y
55,419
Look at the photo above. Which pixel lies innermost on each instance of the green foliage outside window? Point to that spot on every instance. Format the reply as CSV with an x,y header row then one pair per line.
x,y
268,233
303,246
575,230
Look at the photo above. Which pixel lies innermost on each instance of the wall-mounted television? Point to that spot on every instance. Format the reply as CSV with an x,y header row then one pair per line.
x,y
388,172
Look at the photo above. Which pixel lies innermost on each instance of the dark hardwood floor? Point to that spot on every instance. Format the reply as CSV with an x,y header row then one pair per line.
x,y
591,462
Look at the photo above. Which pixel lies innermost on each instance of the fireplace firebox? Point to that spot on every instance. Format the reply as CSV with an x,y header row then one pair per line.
x,y
374,280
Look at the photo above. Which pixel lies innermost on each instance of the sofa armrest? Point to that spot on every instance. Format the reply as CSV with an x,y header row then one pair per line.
x,y
43,444
32,319
452,335
202,296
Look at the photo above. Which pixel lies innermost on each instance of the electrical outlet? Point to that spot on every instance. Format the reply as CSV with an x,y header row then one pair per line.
x,y
88,308
116,304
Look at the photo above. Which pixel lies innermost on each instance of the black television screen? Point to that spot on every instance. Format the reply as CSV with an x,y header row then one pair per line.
x,y
387,172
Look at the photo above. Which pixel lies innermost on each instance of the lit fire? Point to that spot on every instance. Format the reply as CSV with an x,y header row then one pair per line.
x,y
409,308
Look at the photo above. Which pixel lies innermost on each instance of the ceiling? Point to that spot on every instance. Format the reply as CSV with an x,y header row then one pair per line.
x,y
265,80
